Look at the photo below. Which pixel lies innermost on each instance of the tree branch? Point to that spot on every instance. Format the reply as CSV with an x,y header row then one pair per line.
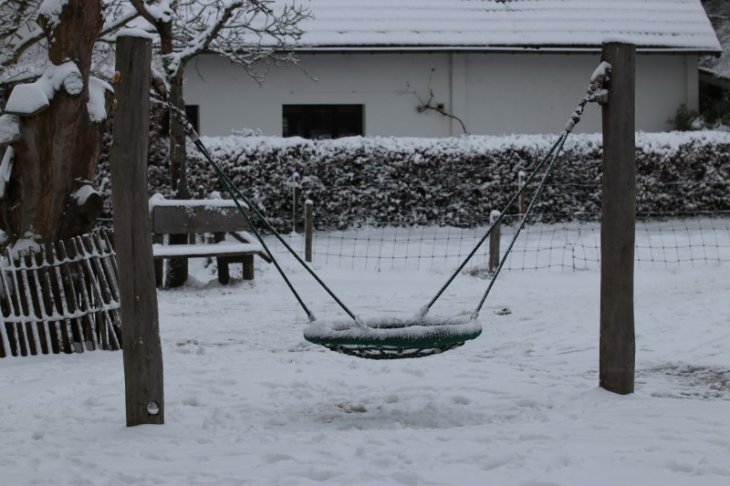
x,y
202,42
118,23
21,47
143,12
442,111
439,108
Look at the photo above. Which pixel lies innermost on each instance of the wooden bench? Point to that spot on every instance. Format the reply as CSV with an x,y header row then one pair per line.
x,y
214,218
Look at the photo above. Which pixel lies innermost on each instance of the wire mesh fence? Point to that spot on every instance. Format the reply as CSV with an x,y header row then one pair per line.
x,y
662,241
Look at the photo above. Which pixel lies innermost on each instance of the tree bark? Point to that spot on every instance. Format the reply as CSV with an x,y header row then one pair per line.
x,y
59,146
177,268
178,153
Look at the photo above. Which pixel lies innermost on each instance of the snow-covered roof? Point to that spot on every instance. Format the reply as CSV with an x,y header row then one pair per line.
x,y
506,24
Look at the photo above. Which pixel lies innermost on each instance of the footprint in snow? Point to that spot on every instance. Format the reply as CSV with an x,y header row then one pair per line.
x,y
352,407
504,311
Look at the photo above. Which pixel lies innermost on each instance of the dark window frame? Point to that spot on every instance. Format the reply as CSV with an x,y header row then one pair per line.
x,y
321,120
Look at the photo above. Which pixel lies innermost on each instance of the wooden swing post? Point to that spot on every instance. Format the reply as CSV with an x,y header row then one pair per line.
x,y
618,221
128,157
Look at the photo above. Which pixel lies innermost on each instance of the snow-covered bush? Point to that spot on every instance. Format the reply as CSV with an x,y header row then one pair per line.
x,y
453,181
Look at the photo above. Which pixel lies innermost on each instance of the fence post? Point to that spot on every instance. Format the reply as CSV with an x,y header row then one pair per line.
x,y
521,175
140,322
618,220
308,229
296,195
494,237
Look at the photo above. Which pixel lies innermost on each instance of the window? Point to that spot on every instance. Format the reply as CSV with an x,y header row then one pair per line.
x,y
322,121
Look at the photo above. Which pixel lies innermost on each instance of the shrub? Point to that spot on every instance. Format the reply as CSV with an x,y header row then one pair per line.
x,y
452,181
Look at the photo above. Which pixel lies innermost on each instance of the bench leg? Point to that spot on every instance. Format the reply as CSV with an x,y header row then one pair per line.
x,y
248,267
223,276
158,262
177,267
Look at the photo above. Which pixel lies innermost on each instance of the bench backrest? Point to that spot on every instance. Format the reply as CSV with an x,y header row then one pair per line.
x,y
196,217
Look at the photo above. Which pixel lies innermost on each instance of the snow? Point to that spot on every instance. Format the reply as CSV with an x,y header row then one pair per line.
x,y
662,142
51,10
600,73
6,169
162,11
159,200
98,88
25,245
201,250
383,327
30,98
9,128
27,99
248,401
650,24
83,194
135,32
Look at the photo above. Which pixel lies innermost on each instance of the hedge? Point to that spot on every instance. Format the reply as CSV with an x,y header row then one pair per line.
x,y
451,181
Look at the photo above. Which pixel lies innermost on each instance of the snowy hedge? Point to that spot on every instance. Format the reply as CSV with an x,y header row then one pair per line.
x,y
453,181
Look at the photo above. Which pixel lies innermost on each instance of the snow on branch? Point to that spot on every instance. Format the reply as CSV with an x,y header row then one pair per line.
x,y
30,98
19,33
9,129
98,91
12,53
51,10
196,44
117,23
6,170
244,31
148,12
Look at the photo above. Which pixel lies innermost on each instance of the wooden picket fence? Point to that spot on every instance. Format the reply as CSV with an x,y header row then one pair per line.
x,y
60,297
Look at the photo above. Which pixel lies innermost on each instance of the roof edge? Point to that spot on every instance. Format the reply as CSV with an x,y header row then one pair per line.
x,y
709,76
475,48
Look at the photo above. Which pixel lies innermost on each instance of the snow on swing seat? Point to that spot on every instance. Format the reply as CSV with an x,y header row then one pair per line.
x,y
389,338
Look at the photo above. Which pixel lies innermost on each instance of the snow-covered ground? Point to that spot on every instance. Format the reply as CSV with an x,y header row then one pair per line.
x,y
248,401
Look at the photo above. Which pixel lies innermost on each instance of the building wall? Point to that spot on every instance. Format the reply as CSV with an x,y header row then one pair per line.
x,y
493,93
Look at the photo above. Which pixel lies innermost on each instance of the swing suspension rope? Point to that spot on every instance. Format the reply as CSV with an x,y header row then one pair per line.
x,y
237,197
393,340
595,93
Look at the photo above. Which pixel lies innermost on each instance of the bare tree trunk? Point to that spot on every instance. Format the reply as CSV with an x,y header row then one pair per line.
x,y
60,145
178,153
177,268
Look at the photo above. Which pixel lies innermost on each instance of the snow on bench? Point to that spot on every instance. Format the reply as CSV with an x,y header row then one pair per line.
x,y
203,249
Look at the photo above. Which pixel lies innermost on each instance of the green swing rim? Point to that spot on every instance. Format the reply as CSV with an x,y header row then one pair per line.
x,y
385,335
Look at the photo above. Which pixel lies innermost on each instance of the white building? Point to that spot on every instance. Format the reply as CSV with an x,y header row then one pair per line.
x,y
509,66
